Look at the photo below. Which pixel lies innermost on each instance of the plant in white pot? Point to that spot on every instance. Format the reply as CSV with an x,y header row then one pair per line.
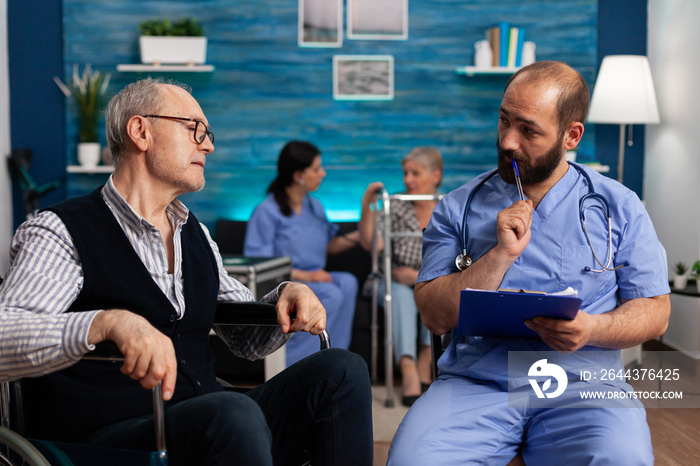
x,y
695,272
87,92
680,278
179,42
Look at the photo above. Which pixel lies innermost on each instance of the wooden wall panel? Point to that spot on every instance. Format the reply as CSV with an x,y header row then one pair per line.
x,y
267,90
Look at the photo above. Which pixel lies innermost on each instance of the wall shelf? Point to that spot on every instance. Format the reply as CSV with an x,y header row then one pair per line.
x,y
494,70
90,170
137,68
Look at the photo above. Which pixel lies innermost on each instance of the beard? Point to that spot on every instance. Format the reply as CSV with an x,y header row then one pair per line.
x,y
529,173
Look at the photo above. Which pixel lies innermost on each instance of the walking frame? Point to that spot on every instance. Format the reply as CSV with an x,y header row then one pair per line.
x,y
383,198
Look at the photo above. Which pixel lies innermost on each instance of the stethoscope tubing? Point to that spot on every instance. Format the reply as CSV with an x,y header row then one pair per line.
x,y
463,260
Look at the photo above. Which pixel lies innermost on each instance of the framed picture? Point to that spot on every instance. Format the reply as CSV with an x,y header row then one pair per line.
x,y
378,19
363,77
320,23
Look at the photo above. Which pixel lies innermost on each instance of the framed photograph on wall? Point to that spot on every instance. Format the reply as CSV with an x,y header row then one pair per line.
x,y
378,19
363,77
320,23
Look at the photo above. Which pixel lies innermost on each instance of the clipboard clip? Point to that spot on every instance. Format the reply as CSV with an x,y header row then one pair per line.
x,y
520,290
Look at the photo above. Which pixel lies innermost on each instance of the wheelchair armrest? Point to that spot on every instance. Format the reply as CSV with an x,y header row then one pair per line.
x,y
105,351
246,313
254,313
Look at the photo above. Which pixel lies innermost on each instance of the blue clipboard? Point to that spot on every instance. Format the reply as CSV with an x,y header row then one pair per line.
x,y
501,313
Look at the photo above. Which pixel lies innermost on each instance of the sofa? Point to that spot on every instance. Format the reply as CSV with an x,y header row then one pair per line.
x,y
230,235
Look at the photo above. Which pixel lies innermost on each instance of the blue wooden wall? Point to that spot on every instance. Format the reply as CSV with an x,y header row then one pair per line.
x,y
267,90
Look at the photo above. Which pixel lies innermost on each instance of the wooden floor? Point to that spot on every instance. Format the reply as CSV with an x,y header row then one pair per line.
x,y
675,432
381,453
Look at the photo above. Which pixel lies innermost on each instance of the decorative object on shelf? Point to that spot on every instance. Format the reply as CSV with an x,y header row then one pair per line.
x,y
87,91
680,278
180,42
483,56
89,154
528,57
624,95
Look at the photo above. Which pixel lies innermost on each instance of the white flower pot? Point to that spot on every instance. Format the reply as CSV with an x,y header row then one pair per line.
x,y
680,282
173,50
89,154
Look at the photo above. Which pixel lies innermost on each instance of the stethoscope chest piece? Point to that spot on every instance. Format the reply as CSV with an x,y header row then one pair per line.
x,y
463,261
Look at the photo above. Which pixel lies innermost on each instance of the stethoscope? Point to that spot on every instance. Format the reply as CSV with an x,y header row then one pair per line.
x,y
463,260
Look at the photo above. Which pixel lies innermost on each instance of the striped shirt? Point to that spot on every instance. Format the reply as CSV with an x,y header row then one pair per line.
x,y
405,251
45,277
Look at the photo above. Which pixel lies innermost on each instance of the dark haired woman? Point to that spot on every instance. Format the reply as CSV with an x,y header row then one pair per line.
x,y
291,223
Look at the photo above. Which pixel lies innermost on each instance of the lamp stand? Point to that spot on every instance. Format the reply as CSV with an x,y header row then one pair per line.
x,y
621,154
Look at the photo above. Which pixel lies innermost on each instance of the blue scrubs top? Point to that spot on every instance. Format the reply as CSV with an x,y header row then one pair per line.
x,y
303,237
553,260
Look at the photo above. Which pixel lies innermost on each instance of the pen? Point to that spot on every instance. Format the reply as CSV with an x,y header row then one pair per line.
x,y
517,180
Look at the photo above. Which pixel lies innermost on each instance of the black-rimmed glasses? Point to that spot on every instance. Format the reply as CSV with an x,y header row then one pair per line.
x,y
200,132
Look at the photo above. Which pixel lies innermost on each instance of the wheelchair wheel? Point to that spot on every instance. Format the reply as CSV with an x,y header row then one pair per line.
x,y
15,451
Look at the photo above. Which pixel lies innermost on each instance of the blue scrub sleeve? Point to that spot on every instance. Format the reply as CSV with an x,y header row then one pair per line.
x,y
647,274
441,240
260,234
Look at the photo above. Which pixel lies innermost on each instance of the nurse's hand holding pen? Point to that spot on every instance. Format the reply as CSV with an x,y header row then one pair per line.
x,y
513,229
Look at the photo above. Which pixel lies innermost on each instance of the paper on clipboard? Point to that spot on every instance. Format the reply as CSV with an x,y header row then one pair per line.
x,y
501,313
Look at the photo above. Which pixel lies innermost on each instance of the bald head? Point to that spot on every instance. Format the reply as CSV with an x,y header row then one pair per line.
x,y
573,97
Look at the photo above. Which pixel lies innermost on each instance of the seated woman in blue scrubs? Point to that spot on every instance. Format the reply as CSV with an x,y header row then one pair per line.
x,y
291,223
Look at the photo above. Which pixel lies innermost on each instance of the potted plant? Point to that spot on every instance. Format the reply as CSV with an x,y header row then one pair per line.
x,y
179,42
680,279
695,271
87,91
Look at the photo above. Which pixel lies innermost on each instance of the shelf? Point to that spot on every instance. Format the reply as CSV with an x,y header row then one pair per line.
x,y
691,289
473,70
90,170
166,68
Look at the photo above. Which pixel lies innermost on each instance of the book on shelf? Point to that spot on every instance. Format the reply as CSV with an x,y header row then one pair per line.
x,y
515,51
506,44
493,35
521,42
504,39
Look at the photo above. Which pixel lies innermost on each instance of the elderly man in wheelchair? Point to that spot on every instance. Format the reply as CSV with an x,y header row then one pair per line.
x,y
131,264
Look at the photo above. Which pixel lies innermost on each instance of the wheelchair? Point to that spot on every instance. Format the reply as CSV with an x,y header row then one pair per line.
x,y
15,450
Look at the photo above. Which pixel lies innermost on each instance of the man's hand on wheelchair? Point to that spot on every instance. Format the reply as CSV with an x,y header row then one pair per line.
x,y
149,356
299,310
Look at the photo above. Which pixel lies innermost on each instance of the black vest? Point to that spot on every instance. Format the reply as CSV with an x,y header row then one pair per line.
x,y
73,403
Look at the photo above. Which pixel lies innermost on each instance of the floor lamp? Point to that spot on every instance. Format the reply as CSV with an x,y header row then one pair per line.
x,y
624,95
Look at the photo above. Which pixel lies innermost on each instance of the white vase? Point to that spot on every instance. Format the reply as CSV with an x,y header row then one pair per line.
x,y
173,50
680,282
89,154
528,57
483,55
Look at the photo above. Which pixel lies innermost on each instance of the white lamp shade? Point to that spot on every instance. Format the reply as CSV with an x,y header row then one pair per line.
x,y
624,92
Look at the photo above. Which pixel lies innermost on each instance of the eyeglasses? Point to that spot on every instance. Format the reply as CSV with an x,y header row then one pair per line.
x,y
200,132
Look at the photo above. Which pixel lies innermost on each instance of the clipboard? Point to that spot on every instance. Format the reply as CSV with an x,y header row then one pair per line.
x,y
501,313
